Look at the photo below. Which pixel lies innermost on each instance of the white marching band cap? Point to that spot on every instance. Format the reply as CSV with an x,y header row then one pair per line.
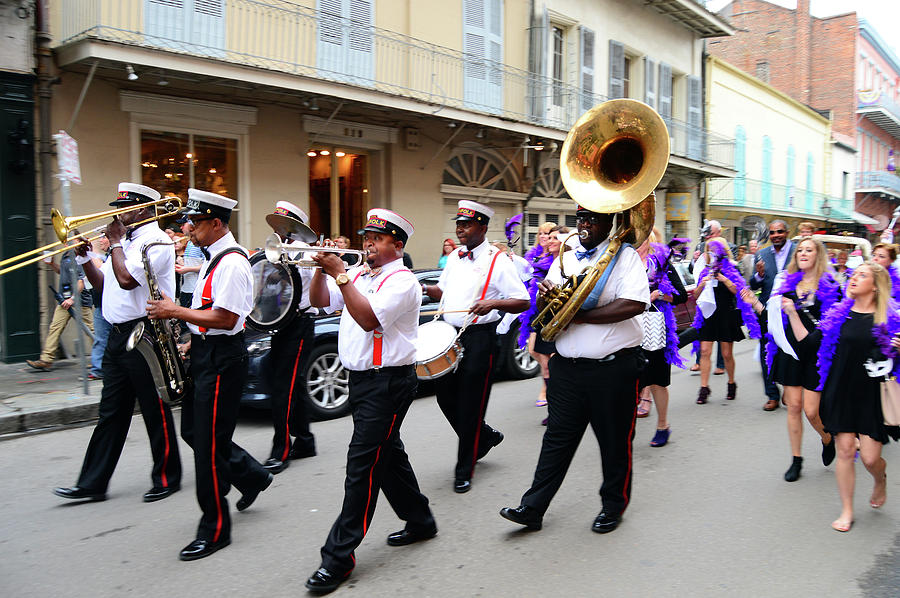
x,y
472,210
290,221
134,193
380,220
206,203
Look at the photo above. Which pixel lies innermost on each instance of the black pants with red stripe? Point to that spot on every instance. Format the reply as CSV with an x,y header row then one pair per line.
x,y
290,349
376,460
603,394
463,396
126,376
219,369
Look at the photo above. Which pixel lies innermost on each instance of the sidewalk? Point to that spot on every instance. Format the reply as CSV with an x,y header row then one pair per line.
x,y
33,400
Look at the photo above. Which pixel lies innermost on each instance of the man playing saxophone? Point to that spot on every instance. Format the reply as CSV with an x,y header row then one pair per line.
x,y
126,375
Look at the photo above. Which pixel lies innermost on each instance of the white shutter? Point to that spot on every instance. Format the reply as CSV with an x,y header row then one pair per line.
x,y
197,26
359,53
665,91
616,70
345,46
483,42
650,82
538,65
330,37
695,118
587,68
165,22
208,24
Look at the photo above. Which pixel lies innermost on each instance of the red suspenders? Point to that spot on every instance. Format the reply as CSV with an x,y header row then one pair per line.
x,y
378,334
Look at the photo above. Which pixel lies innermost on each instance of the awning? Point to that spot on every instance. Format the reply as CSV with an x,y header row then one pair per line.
x,y
863,219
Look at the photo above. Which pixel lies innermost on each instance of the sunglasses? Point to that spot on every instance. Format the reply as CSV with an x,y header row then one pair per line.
x,y
780,231
196,221
588,219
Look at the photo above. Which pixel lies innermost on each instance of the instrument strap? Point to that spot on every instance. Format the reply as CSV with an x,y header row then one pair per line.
x,y
487,282
206,296
594,296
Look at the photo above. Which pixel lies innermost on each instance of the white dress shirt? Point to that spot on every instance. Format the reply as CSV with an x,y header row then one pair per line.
x,y
395,296
232,285
119,305
462,281
628,280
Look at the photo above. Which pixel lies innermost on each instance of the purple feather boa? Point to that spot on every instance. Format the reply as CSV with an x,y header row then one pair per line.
x,y
657,271
895,282
540,265
828,292
831,326
729,272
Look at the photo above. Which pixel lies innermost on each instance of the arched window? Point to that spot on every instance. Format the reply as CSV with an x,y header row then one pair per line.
x,y
740,165
810,168
766,188
789,179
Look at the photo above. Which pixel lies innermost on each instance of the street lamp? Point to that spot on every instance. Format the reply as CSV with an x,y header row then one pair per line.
x,y
826,210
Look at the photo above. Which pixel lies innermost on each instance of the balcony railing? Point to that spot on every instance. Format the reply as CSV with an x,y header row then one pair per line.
x,y
881,109
281,36
888,181
762,195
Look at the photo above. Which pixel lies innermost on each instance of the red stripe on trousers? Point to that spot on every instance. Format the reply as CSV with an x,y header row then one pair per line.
x,y
481,412
630,446
371,472
214,472
162,412
287,428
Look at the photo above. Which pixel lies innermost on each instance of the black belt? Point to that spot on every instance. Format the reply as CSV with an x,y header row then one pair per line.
x,y
127,327
218,338
607,359
391,370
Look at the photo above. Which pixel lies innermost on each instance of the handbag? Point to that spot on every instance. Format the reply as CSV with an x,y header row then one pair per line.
x,y
654,326
890,402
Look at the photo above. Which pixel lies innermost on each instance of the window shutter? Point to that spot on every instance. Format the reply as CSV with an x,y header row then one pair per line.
x,y
483,41
665,91
538,65
359,55
650,82
695,118
587,68
616,70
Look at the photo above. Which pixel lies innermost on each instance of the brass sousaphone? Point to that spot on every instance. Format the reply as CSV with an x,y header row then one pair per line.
x,y
611,162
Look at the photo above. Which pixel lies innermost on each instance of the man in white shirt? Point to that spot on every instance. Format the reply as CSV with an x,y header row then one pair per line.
x,y
221,302
595,374
376,342
476,285
122,282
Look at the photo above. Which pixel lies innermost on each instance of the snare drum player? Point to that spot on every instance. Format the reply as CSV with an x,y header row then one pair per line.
x,y
291,345
221,302
594,380
478,281
376,343
123,285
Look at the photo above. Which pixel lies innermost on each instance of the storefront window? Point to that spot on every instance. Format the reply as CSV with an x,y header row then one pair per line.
x,y
338,192
173,162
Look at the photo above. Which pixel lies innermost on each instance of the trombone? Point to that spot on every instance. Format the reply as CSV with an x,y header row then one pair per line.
x,y
277,253
62,226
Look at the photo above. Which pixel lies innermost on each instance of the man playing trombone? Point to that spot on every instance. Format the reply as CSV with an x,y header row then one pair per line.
x,y
126,375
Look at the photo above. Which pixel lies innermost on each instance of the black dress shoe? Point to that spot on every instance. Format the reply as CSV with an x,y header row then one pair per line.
x,y
606,522
199,549
324,581
78,493
302,453
247,498
276,465
159,493
484,449
523,515
462,486
410,536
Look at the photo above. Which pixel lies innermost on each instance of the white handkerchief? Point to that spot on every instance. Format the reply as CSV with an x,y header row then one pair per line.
x,y
707,301
776,326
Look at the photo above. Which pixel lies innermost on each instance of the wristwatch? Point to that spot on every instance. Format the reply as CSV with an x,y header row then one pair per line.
x,y
114,245
341,279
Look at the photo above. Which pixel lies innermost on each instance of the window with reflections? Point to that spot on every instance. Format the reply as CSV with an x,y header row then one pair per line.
x,y
173,162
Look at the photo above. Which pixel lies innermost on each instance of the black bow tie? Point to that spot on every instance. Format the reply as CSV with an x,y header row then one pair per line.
x,y
128,233
205,252
463,254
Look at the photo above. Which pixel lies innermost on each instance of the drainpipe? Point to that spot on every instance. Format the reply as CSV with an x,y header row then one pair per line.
x,y
45,83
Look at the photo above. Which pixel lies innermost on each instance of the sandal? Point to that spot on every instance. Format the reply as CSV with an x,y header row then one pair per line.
x,y
542,398
661,437
644,404
703,396
841,526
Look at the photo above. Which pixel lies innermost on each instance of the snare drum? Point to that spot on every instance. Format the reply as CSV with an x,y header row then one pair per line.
x,y
438,350
277,289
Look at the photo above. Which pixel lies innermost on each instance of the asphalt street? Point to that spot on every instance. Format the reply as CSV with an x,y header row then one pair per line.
x,y
710,515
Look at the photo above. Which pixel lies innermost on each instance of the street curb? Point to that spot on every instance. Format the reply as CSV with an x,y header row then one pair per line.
x,y
28,421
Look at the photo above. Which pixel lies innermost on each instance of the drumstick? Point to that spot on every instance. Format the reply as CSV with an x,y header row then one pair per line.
x,y
445,311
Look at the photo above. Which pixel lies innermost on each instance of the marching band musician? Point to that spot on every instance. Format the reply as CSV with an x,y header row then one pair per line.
x,y
221,302
476,281
123,284
376,343
595,376
290,348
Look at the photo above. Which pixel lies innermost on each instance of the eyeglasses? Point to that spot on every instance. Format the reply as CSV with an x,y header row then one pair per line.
x,y
196,221
780,231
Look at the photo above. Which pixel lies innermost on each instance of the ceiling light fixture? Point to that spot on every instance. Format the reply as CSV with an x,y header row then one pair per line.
x,y
132,76
324,153
162,79
340,154
312,153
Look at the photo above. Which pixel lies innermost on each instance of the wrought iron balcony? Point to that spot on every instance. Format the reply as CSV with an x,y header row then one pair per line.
x,y
281,36
880,109
751,194
878,182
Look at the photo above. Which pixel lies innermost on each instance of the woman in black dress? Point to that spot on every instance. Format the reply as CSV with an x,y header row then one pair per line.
x,y
724,324
808,282
857,332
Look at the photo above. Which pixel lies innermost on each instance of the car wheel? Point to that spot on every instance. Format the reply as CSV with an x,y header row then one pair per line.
x,y
519,362
327,384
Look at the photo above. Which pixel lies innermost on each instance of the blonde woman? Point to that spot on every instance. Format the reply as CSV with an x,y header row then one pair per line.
x,y
885,254
856,335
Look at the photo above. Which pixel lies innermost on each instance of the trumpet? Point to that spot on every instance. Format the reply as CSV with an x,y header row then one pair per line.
x,y
63,226
277,253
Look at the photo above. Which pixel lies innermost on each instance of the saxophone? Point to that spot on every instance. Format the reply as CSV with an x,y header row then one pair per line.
x,y
159,348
